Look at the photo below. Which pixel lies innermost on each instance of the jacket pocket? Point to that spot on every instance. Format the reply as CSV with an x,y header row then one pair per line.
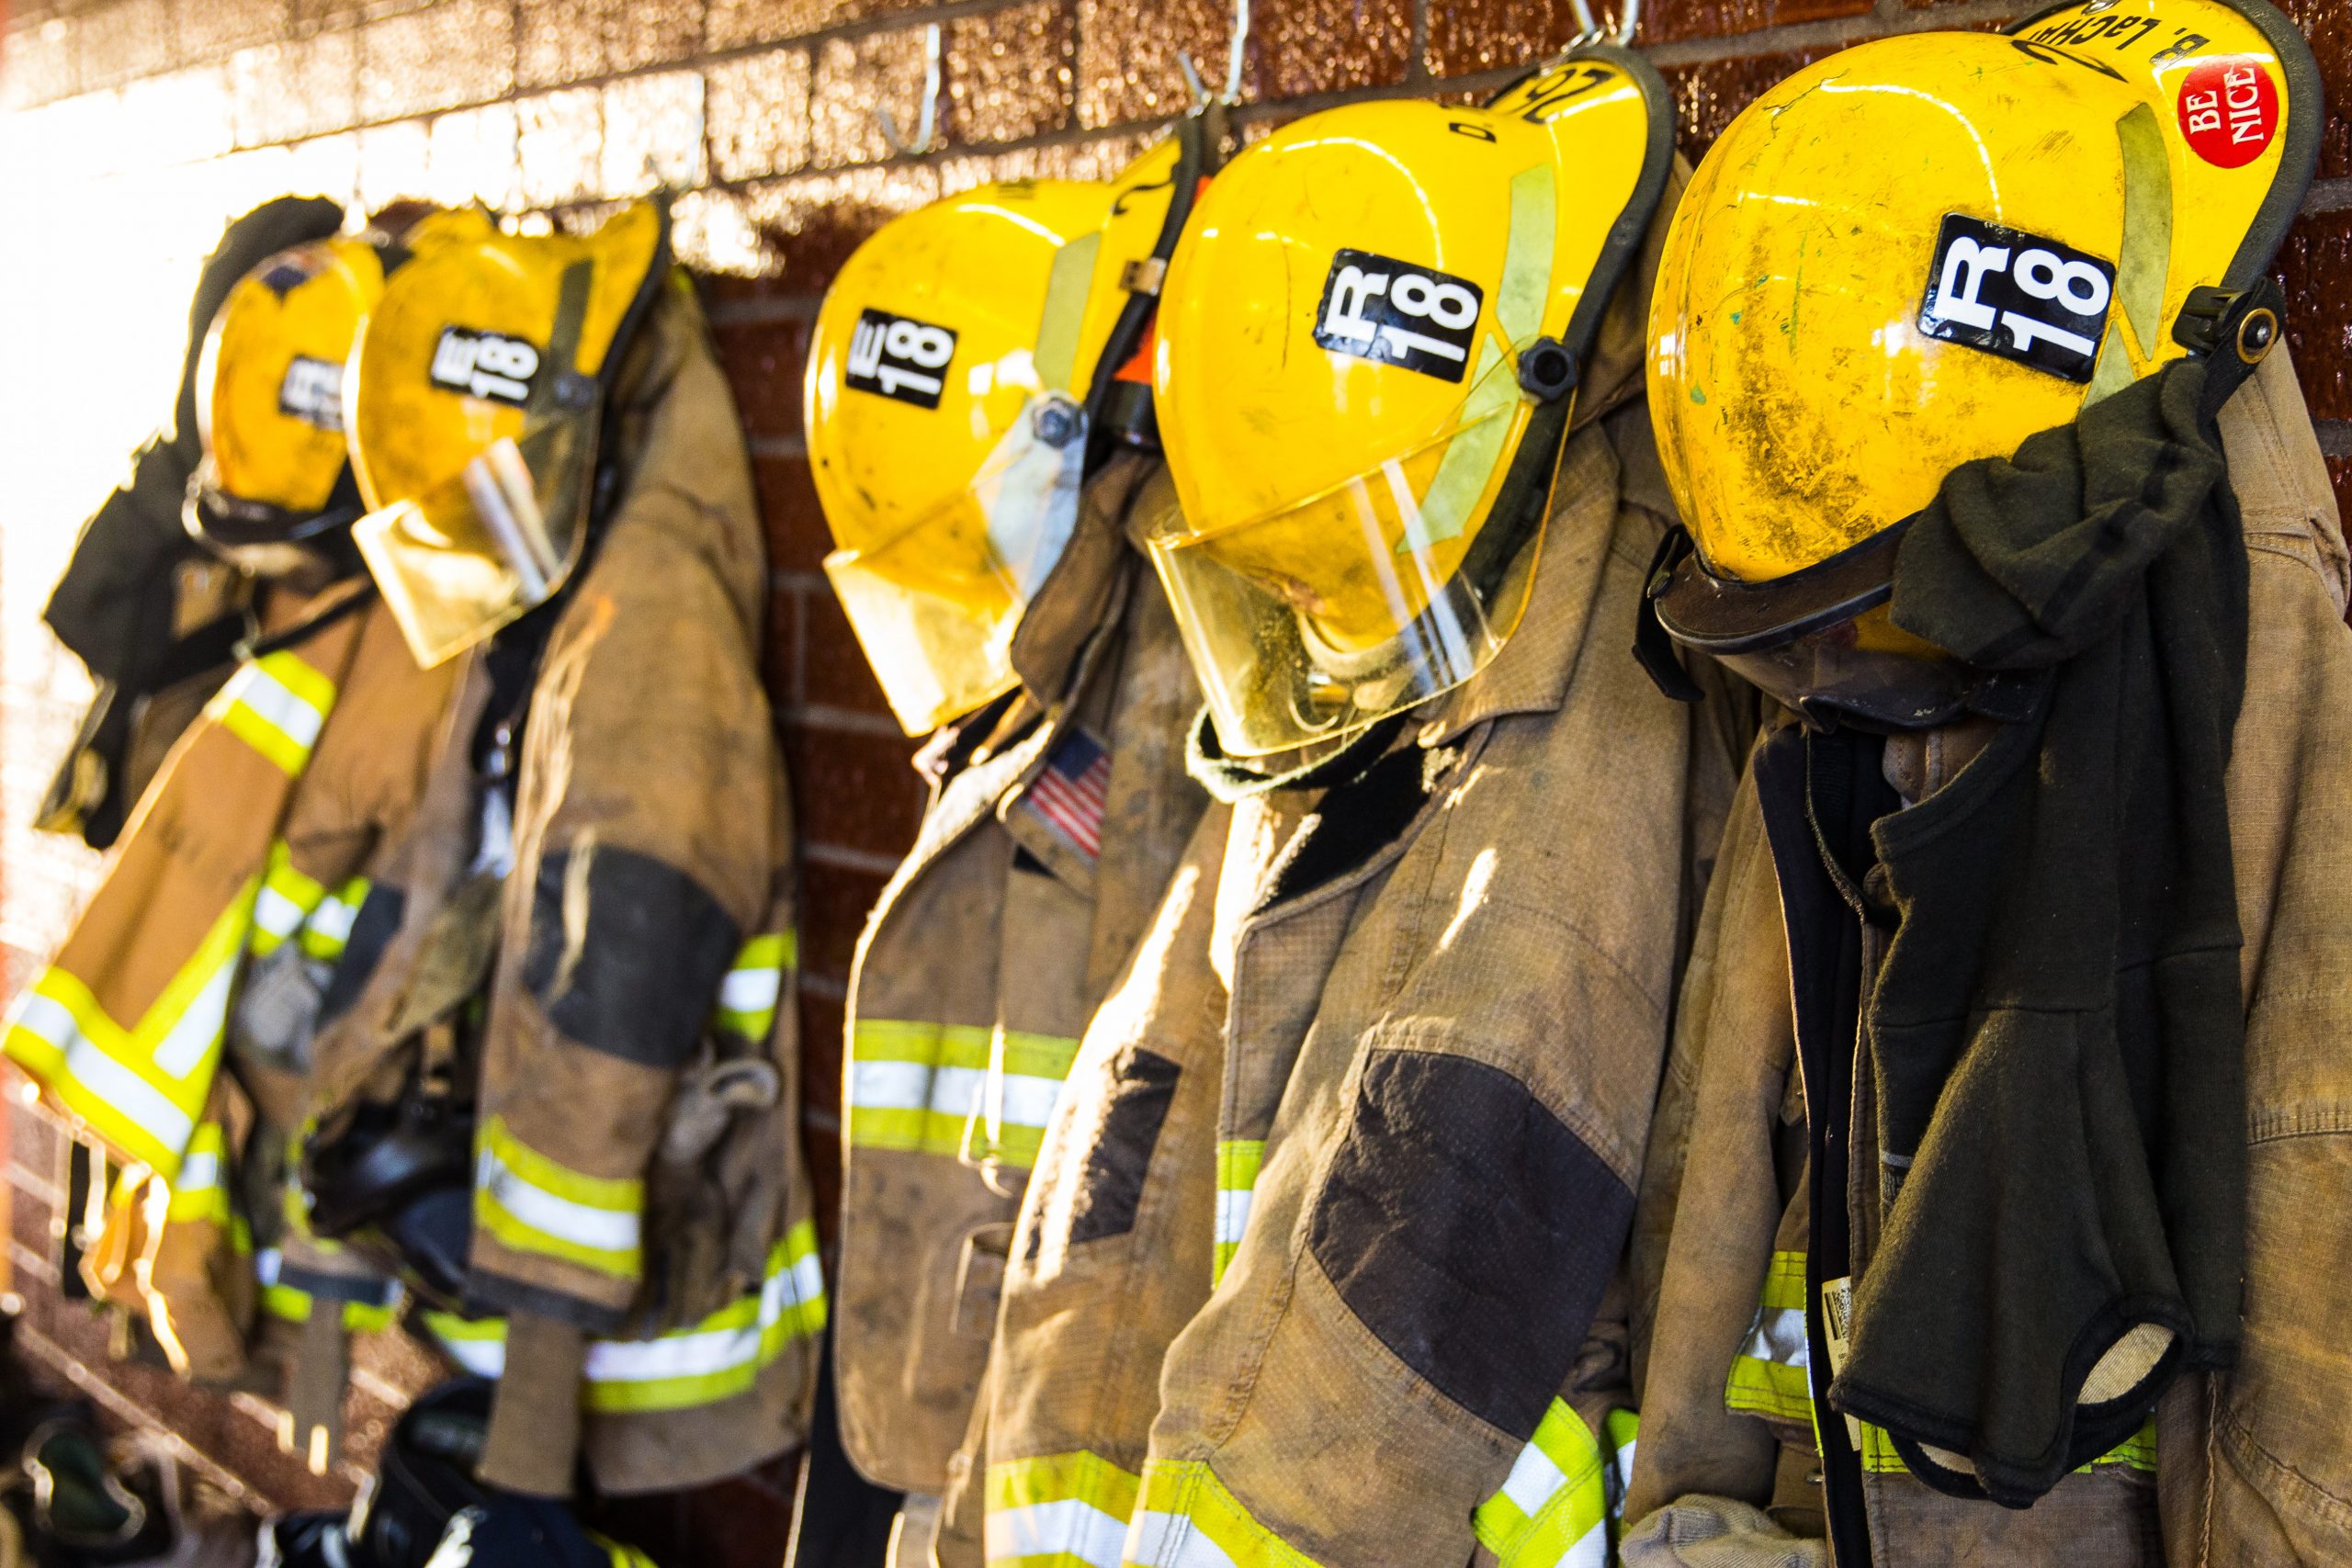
x,y
1095,1175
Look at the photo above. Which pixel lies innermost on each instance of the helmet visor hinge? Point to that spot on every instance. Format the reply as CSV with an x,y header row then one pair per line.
x,y
1548,370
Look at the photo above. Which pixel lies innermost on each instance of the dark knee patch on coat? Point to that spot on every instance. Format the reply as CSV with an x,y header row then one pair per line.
x,y
1142,1086
1470,1231
626,952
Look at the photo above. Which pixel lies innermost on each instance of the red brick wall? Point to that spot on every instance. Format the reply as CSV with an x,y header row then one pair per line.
x,y
762,110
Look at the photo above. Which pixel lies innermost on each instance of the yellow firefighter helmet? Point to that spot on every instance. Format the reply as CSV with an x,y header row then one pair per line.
x,y
474,398
1921,251
964,368
1367,370
272,488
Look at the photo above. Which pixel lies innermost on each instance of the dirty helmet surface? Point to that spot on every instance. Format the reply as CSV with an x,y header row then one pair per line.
x,y
273,494
1368,367
1917,253
961,377
474,398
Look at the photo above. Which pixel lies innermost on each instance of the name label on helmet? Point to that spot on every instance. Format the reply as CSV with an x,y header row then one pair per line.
x,y
312,393
1397,314
489,365
898,356
2018,295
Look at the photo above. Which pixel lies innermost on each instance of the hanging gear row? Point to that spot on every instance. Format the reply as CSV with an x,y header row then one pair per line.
x,y
1360,1067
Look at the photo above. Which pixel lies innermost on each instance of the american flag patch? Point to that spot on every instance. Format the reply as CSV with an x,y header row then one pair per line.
x,y
1072,792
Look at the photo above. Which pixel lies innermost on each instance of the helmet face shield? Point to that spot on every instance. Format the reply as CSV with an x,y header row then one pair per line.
x,y
936,605
475,401
1321,617
1368,365
479,549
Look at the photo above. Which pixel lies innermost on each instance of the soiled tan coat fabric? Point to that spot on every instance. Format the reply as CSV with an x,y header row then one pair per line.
x,y
289,786
651,878
2251,1466
979,969
1408,1018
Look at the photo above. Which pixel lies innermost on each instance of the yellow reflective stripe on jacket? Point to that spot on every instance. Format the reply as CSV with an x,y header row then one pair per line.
x,y
140,1088
919,1086
200,1192
1188,1520
1554,1508
1770,1376
328,930
620,1554
1060,1511
277,705
1237,1178
746,998
718,1358
533,1203
284,905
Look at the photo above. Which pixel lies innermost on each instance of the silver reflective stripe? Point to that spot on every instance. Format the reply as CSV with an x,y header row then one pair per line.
x,y
112,1082
1067,1527
1154,1535
604,1230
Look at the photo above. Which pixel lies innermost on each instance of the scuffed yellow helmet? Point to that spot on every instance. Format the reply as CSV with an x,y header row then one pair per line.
x,y
1367,370
1921,251
962,374
269,406
474,398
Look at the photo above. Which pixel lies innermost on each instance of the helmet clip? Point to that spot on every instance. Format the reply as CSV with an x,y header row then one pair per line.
x,y
1548,370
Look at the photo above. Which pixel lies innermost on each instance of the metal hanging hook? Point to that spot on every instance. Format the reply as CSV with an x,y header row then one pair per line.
x,y
1627,21
1237,54
927,124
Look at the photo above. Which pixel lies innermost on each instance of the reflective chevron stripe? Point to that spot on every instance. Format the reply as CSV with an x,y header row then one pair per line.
x,y
718,1358
1062,1511
284,904
954,1088
1237,1179
1555,1509
328,930
1188,1520
534,1204
200,1194
277,705
140,1088
746,998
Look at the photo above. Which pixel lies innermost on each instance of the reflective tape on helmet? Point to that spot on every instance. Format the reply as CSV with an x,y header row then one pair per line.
x,y
954,1088
534,1204
1769,1377
1188,1520
328,930
1237,1178
747,997
200,1192
1554,1509
1060,1511
1772,1376
277,705
140,1088
718,1358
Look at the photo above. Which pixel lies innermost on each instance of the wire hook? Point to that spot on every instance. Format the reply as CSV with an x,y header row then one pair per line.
x,y
927,125
1237,54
